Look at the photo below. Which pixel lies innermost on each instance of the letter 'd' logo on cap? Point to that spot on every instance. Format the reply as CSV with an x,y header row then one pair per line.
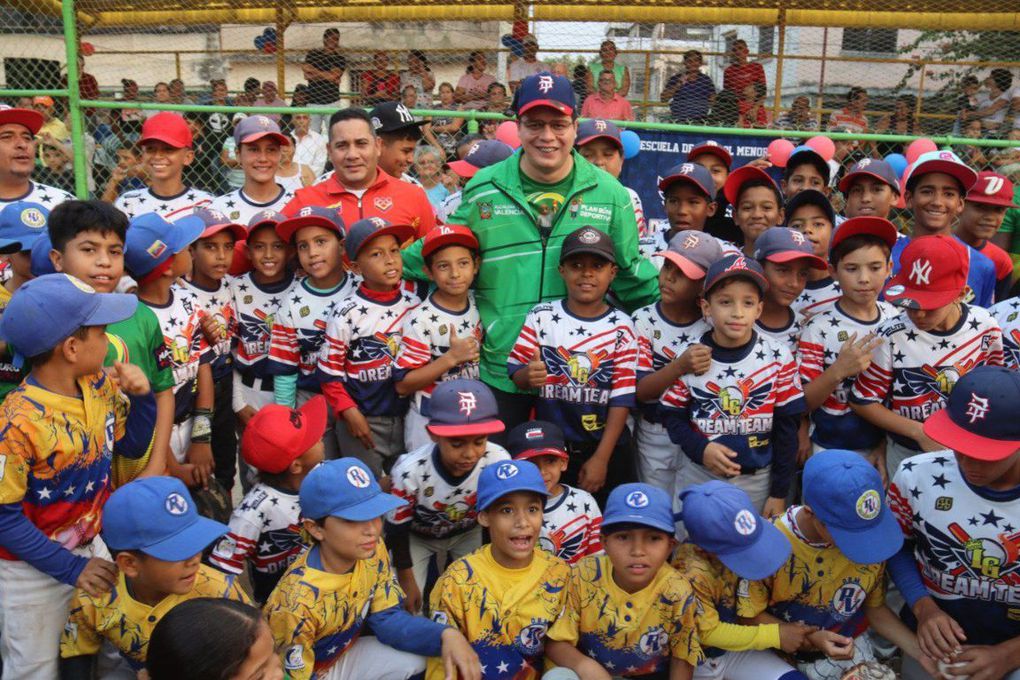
x,y
468,402
358,478
176,504
545,83
869,505
977,408
690,241
745,523
637,499
506,471
600,125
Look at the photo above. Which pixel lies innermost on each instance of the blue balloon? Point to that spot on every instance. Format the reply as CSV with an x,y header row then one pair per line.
x,y
270,34
898,162
260,42
631,143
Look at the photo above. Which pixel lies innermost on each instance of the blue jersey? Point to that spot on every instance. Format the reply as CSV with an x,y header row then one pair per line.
x,y
980,273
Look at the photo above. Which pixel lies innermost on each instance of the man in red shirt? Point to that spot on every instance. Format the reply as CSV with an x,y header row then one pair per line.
x,y
983,211
358,188
741,73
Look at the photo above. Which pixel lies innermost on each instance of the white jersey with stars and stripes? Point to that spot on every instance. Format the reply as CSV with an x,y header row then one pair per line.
x,y
239,208
171,208
571,525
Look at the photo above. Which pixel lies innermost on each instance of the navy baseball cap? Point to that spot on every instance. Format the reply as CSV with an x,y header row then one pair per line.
x,y
21,224
810,197
157,516
344,488
733,266
482,154
588,240
265,218
310,216
879,227
808,156
642,504
215,222
151,241
506,477
597,128
870,167
980,419
256,127
782,244
463,408
693,252
370,228
696,175
845,492
41,262
545,89
45,311
536,438
720,519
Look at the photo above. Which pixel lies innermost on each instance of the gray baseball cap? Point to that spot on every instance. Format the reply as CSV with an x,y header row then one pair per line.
x,y
693,252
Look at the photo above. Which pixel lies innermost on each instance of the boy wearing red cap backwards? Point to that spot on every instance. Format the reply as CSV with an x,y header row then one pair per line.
x,y
283,444
441,336
983,212
927,349
166,150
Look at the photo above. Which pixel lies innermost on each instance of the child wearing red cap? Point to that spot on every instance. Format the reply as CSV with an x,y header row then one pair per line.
x,y
983,213
757,205
925,350
283,444
717,160
442,336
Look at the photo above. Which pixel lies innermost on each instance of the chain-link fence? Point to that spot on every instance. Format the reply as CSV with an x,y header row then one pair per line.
x,y
938,72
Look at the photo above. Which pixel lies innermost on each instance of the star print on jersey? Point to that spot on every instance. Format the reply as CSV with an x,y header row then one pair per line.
x,y
818,296
1007,314
170,208
571,525
256,308
187,348
46,196
660,341
239,208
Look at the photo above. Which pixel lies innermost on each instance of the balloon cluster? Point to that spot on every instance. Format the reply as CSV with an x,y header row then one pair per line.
x,y
267,41
514,41
780,150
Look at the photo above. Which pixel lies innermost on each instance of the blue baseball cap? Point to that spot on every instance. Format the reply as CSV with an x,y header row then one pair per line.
x,y
41,263
810,197
733,266
696,175
980,419
152,241
596,128
642,504
215,222
481,154
782,244
46,310
506,477
535,438
845,492
693,252
265,218
370,228
344,488
870,167
21,224
720,519
311,216
463,408
157,516
545,89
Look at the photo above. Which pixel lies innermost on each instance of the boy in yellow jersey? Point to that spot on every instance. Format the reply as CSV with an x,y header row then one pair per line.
x,y
505,595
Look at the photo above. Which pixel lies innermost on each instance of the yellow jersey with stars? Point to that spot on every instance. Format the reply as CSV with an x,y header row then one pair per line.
x,y
818,585
630,634
128,623
316,615
504,613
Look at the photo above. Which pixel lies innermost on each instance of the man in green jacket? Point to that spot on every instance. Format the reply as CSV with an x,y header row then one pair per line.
x,y
520,210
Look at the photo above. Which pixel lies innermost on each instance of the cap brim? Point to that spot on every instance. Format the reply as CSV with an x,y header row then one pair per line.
x,y
32,120
761,559
370,508
637,518
463,169
186,231
847,180
166,138
790,255
402,232
467,430
317,413
8,246
258,225
187,543
988,200
587,250
875,544
667,182
237,230
877,227
286,229
742,174
963,174
559,107
281,138
942,429
601,135
112,307
535,453
467,240
916,298
509,486
712,150
754,277
690,269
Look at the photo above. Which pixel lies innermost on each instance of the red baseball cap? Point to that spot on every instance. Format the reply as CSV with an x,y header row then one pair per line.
x,y
746,173
276,436
169,128
713,148
448,235
29,118
933,273
215,222
992,189
878,227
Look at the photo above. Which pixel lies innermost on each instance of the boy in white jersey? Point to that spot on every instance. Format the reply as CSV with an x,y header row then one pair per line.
x,y
258,140
572,520
669,333
810,213
439,482
166,150
441,336
786,258
688,199
1007,315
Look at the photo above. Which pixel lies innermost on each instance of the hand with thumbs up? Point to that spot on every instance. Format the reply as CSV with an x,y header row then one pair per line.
x,y
534,374
462,349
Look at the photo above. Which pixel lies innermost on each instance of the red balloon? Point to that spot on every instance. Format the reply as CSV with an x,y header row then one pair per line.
x,y
87,49
825,147
918,147
779,152
269,48
507,133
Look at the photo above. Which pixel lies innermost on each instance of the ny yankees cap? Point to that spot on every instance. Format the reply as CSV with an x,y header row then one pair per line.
x,y
215,222
980,419
878,227
810,197
392,116
152,241
690,173
870,167
992,189
808,156
641,504
45,311
596,128
845,492
481,154
41,262
256,127
508,477
277,435
536,438
22,223
744,174
720,519
265,218
344,488
310,216
167,127
463,408
157,516
733,266
945,162
712,148
371,228
693,252
29,118
448,235
544,89
588,240
933,273
782,244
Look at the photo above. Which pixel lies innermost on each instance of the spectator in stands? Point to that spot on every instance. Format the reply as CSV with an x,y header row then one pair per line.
x,y
428,166
292,175
56,170
300,97
204,171
379,84
323,69
967,101
53,131
993,106
447,128
741,72
751,106
309,145
409,97
250,92
178,94
498,102
580,82
129,90
798,117
972,155
270,96
233,172
473,86
851,117
607,62
160,95
607,103
725,110
420,77
690,92
902,121
88,86
219,95
527,65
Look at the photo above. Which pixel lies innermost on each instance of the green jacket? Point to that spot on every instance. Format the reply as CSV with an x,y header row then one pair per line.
x,y
519,270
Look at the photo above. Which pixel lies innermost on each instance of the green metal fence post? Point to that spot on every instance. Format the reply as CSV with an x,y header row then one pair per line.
x,y
81,187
